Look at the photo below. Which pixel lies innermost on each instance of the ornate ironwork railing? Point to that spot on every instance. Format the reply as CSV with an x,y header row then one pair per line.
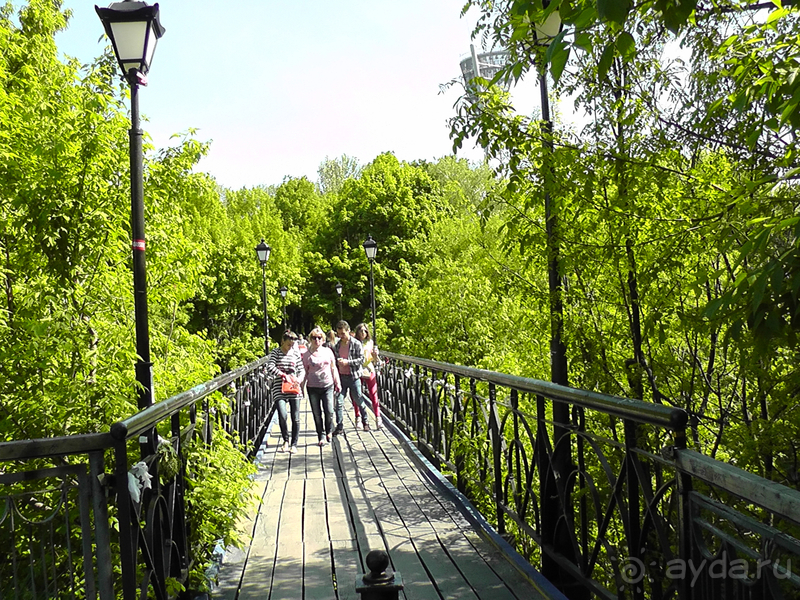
x,y
609,505
77,519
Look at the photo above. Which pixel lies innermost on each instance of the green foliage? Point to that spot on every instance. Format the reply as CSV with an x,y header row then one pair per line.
x,y
217,496
675,206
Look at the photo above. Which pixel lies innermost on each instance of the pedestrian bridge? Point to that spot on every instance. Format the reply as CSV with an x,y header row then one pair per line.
x,y
470,475
323,509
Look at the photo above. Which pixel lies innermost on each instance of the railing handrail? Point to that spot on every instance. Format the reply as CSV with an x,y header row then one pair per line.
x,y
773,496
147,419
55,446
626,408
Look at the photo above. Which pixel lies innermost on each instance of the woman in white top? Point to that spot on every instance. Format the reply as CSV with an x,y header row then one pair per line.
x,y
369,381
322,379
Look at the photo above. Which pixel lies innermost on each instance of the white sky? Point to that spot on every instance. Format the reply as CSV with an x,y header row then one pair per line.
x,y
278,86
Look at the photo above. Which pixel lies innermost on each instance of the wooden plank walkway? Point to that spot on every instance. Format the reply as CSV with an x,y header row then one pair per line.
x,y
323,509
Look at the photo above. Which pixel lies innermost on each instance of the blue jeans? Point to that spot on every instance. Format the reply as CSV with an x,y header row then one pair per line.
x,y
294,404
353,385
321,400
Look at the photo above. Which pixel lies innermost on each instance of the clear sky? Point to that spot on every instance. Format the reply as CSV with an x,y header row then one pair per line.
x,y
278,86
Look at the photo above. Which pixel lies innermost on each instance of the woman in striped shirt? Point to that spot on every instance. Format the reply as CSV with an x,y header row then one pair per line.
x,y
284,361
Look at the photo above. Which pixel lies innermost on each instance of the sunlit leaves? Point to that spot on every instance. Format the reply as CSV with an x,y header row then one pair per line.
x,y
613,10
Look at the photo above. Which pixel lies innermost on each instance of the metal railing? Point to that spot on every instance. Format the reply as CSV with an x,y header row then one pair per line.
x,y
77,518
609,505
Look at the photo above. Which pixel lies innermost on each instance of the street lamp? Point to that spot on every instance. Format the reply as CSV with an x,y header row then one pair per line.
x,y
284,290
262,253
544,33
371,249
134,29
339,288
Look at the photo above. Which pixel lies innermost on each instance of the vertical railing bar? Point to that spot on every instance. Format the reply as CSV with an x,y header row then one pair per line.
x,y
31,554
685,542
51,531
458,419
440,398
102,534
417,400
179,489
517,458
442,410
43,549
584,508
52,563
13,509
494,432
550,568
126,532
424,417
634,523
84,495
207,416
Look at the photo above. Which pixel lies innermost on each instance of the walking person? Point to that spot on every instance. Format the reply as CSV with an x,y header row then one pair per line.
x,y
322,381
286,367
349,359
332,339
369,379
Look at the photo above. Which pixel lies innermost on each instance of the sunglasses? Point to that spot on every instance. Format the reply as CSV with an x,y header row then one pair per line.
x,y
316,337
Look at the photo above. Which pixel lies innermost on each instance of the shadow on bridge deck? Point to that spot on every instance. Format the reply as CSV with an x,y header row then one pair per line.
x,y
323,509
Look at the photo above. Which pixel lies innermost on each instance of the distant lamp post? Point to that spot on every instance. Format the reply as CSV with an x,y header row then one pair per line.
x,y
371,249
262,252
339,289
284,290
134,29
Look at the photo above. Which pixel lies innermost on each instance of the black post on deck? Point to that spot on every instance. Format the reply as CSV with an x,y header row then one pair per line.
x,y
381,583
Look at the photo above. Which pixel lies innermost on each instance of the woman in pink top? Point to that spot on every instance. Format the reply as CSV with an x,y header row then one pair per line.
x,y
322,379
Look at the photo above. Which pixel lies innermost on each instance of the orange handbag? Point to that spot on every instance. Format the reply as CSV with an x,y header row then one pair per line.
x,y
290,385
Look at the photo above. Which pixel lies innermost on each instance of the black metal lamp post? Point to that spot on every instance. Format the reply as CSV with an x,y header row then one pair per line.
x,y
262,252
544,34
134,29
371,248
339,289
284,290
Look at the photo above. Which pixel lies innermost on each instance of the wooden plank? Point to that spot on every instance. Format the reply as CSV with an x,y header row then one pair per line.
x,y
346,558
520,585
329,461
346,565
317,565
363,519
230,576
415,552
402,552
265,461
314,454
257,578
349,494
487,569
288,574
340,526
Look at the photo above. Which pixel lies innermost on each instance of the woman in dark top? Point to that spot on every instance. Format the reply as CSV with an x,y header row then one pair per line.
x,y
284,361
